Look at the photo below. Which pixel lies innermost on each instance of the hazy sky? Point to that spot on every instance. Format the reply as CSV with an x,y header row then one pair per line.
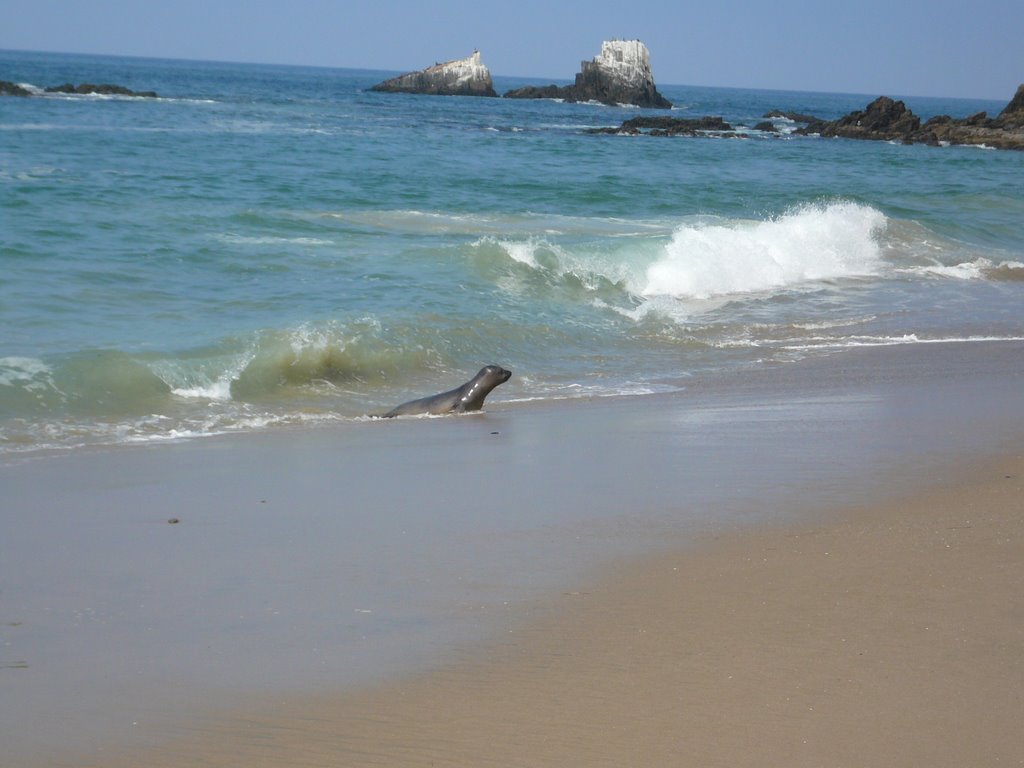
x,y
895,47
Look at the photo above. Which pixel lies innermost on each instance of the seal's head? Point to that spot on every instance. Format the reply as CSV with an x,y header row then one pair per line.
x,y
499,374
475,390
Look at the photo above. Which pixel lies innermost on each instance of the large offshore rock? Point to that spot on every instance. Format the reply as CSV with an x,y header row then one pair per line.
x,y
461,77
621,74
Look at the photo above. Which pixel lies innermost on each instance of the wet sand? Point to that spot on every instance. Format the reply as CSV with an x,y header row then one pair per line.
x,y
818,564
893,635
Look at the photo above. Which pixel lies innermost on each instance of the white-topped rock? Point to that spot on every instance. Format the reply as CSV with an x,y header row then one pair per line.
x,y
627,61
621,74
460,77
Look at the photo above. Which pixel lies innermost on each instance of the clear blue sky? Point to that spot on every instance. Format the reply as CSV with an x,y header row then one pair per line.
x,y
874,47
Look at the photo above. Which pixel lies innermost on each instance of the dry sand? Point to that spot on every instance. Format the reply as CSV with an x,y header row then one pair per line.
x,y
888,636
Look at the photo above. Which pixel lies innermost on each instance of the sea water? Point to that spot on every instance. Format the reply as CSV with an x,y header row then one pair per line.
x,y
264,246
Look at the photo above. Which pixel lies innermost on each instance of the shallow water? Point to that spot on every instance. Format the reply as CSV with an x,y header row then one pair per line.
x,y
271,246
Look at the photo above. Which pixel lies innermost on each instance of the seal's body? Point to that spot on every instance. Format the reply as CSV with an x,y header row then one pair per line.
x,y
469,397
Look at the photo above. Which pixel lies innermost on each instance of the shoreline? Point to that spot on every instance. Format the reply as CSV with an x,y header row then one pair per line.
x,y
890,634
322,566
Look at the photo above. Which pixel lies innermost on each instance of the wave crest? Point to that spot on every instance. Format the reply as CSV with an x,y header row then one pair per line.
x,y
813,242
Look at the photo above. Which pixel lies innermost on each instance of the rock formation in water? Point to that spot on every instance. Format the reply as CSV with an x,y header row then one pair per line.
x,y
462,77
884,119
12,89
620,75
669,126
105,89
887,120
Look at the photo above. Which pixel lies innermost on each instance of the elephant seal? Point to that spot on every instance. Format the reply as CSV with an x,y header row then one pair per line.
x,y
469,397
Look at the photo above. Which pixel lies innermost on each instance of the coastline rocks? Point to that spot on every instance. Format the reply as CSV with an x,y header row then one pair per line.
x,y
887,120
460,77
621,74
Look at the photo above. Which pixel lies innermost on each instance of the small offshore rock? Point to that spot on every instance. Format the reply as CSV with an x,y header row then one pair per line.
x,y
13,89
459,77
796,117
103,89
668,126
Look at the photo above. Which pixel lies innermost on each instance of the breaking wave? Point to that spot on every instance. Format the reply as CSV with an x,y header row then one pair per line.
x,y
809,244
709,257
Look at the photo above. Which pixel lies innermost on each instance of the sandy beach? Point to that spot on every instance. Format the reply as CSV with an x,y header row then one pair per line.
x,y
751,496
893,635
755,575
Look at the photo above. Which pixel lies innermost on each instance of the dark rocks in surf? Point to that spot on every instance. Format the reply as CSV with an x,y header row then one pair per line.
x,y
620,74
541,92
668,126
796,117
83,89
460,77
13,89
885,119
103,89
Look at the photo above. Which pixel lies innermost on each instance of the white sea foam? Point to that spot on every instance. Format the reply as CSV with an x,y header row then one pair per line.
x,y
968,270
219,389
25,372
849,342
814,242
498,224
522,251
229,237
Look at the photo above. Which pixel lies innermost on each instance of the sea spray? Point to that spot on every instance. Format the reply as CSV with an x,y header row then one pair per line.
x,y
813,242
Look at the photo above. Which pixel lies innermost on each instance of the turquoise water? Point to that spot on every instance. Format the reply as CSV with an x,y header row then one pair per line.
x,y
265,246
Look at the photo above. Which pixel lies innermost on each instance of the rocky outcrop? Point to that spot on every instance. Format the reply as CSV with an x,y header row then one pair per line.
x,y
887,120
796,117
883,119
621,74
461,77
104,89
668,126
1015,109
13,89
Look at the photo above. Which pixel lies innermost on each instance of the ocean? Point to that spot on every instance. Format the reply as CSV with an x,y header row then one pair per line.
x,y
204,295
265,247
